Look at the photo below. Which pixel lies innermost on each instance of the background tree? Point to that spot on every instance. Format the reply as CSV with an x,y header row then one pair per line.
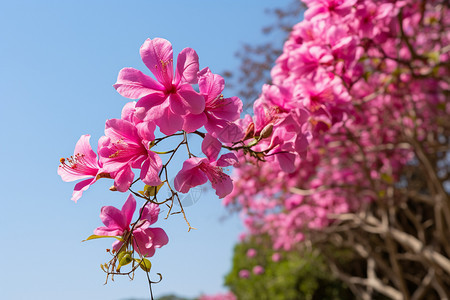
x,y
375,181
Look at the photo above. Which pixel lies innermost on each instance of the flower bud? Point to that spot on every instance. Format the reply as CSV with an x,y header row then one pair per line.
x,y
250,132
267,131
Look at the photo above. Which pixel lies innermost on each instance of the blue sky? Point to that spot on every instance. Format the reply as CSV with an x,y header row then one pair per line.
x,y
58,62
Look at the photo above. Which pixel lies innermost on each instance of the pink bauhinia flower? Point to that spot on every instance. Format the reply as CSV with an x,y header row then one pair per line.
x,y
219,113
117,223
197,171
167,98
83,164
126,146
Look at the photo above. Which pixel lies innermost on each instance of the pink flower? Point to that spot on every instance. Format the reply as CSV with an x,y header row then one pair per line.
x,y
126,146
219,112
197,171
117,223
258,270
244,273
83,164
168,97
251,252
276,257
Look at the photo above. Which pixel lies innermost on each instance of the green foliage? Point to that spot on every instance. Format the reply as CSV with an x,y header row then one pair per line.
x,y
301,275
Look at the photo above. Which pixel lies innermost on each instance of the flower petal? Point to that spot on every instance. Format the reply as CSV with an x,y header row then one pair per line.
x,y
150,212
128,209
190,175
134,84
80,187
228,159
150,170
210,84
159,237
123,179
147,103
187,66
222,187
194,101
211,147
113,218
157,55
193,122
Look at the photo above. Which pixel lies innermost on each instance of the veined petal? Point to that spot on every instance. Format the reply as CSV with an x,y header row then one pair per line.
x,y
225,131
210,84
190,175
150,170
118,129
159,237
195,103
157,55
211,147
286,161
146,130
128,209
228,159
178,105
168,122
227,109
142,243
148,102
123,178
128,112
108,231
187,66
222,187
134,84
113,218
193,122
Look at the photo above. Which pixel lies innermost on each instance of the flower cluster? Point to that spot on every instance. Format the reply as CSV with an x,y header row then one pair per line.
x,y
358,82
178,101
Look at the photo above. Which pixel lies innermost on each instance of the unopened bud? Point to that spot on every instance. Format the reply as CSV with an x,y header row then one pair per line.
x,y
145,265
113,189
267,131
250,132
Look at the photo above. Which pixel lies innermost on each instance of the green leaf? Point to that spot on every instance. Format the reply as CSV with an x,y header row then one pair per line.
x,y
93,237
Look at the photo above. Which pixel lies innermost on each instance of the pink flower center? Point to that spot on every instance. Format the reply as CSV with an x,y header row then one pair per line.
x,y
78,165
216,103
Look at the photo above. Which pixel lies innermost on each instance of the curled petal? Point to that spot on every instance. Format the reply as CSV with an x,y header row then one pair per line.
x,y
187,67
128,209
150,212
80,187
150,170
123,179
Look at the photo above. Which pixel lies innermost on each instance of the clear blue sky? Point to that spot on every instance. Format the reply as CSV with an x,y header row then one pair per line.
x,y
58,61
